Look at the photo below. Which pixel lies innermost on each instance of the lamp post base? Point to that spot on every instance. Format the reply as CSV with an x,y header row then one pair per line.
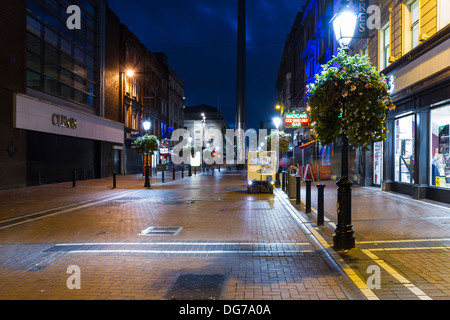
x,y
147,178
344,238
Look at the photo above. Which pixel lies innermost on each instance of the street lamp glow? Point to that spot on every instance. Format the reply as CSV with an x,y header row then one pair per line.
x,y
277,122
278,107
344,24
146,125
130,73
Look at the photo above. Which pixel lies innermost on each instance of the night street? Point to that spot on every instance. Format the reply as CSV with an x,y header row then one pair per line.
x,y
221,158
261,244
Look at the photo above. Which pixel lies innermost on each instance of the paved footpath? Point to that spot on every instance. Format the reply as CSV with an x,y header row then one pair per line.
x,y
206,232
407,241
138,243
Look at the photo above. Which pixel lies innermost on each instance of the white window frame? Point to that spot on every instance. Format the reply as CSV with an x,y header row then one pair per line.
x,y
443,13
385,50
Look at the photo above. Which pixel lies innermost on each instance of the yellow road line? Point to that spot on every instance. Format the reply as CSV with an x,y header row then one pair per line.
x,y
419,293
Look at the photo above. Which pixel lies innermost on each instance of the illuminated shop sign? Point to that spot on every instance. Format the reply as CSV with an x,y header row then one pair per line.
x,y
60,120
296,120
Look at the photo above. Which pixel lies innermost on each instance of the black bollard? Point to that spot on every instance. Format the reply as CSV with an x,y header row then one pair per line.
x,y
114,179
182,172
190,171
277,179
320,204
162,176
298,190
74,179
173,173
308,196
147,177
195,171
283,181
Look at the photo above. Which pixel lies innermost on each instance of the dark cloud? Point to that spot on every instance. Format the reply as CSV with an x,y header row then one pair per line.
x,y
199,37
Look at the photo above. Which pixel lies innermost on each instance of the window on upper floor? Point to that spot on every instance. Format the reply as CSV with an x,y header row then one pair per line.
x,y
414,23
443,13
385,46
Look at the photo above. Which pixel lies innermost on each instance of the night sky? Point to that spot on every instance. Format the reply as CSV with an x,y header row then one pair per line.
x,y
200,39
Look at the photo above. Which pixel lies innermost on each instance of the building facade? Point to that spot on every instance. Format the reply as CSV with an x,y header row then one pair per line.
x,y
53,111
308,45
411,46
206,124
67,105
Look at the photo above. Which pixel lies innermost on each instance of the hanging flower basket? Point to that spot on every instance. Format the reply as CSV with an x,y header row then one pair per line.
x,y
147,144
349,96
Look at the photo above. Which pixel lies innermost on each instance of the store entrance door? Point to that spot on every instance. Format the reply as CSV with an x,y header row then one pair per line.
x,y
377,163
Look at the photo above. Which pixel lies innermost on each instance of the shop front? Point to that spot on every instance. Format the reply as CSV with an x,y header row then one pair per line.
x,y
63,141
416,151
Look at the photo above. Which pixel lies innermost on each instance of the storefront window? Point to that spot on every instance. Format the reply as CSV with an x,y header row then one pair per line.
x,y
440,145
377,162
404,149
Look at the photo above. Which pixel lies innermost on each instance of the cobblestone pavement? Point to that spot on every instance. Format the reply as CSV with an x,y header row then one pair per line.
x,y
134,243
406,240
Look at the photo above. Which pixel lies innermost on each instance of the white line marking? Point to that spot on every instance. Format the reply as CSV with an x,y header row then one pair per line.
x,y
188,252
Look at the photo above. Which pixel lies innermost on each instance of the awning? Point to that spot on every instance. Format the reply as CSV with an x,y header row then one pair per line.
x,y
307,145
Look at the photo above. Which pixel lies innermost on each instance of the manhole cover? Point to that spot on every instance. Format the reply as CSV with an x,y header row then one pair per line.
x,y
161,231
197,287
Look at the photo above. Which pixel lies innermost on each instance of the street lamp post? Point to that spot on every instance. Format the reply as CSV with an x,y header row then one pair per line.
x,y
277,122
146,126
344,22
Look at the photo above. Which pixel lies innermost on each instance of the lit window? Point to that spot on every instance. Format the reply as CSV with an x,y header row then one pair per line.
x,y
440,147
414,23
404,149
443,13
385,47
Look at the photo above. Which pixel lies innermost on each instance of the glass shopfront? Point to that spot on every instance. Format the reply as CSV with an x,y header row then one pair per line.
x,y
404,149
440,147
377,163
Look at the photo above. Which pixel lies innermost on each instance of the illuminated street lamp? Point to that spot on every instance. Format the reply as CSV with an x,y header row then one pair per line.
x,y
146,125
344,23
277,122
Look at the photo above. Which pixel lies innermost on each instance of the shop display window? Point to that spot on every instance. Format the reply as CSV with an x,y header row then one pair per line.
x,y
440,147
404,149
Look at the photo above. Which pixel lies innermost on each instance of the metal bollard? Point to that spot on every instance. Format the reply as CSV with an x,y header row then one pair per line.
x,y
162,176
283,181
320,205
74,179
182,172
173,173
308,196
190,171
114,179
298,190
195,171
